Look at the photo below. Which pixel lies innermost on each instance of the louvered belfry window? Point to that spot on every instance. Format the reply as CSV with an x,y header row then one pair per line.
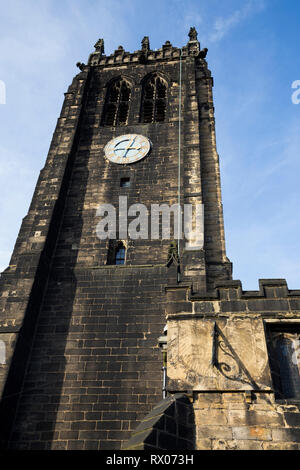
x,y
117,104
154,100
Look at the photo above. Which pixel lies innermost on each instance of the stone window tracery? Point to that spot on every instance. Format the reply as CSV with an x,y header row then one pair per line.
x,y
154,100
117,103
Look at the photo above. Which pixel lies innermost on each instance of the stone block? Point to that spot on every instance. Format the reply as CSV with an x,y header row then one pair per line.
x,y
286,435
179,307
211,416
248,445
233,306
251,433
281,446
213,432
255,418
204,400
204,444
203,307
292,419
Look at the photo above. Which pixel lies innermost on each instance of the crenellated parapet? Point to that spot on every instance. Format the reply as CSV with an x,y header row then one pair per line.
x,y
236,353
273,298
146,54
223,340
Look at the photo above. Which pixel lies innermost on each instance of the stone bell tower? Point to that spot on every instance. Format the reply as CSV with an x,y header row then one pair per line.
x,y
80,315
83,303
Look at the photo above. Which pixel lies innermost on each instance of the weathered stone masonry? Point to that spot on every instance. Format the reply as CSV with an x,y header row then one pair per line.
x,y
218,358
217,353
83,367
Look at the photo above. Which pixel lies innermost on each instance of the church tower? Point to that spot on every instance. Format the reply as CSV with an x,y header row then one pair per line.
x,y
98,289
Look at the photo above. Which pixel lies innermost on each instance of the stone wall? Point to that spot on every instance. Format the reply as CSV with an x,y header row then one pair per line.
x,y
82,364
95,365
169,426
245,421
82,361
23,283
217,351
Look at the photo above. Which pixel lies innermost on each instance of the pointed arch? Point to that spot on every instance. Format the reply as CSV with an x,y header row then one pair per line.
x,y
154,99
116,108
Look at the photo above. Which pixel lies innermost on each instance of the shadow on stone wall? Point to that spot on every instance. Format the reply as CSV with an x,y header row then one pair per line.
x,y
28,386
170,425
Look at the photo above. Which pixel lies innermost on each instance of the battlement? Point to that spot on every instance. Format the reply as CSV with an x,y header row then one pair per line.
x,y
268,288
146,54
272,299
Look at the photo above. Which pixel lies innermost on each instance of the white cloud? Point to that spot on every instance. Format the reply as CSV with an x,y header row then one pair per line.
x,y
192,19
223,25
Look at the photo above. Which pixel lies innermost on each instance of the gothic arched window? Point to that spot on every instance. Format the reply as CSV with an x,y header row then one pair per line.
x,y
154,100
117,103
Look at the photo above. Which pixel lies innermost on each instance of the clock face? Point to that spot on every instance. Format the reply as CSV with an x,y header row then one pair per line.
x,y
127,148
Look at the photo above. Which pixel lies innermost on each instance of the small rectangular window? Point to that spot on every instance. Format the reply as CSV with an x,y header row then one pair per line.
x,y
283,341
125,182
120,254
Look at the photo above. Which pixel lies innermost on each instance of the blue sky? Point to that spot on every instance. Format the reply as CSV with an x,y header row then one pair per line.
x,y
254,58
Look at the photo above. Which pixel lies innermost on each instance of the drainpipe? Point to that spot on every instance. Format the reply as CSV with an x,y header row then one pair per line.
x,y
164,369
179,165
162,342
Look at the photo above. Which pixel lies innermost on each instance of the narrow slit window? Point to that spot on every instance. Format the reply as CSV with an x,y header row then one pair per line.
x,y
154,100
116,107
120,254
116,254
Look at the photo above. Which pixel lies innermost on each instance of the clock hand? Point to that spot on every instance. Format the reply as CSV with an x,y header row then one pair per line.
x,y
128,147
131,148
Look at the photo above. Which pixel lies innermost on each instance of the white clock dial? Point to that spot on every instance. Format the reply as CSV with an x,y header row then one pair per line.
x,y
127,148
